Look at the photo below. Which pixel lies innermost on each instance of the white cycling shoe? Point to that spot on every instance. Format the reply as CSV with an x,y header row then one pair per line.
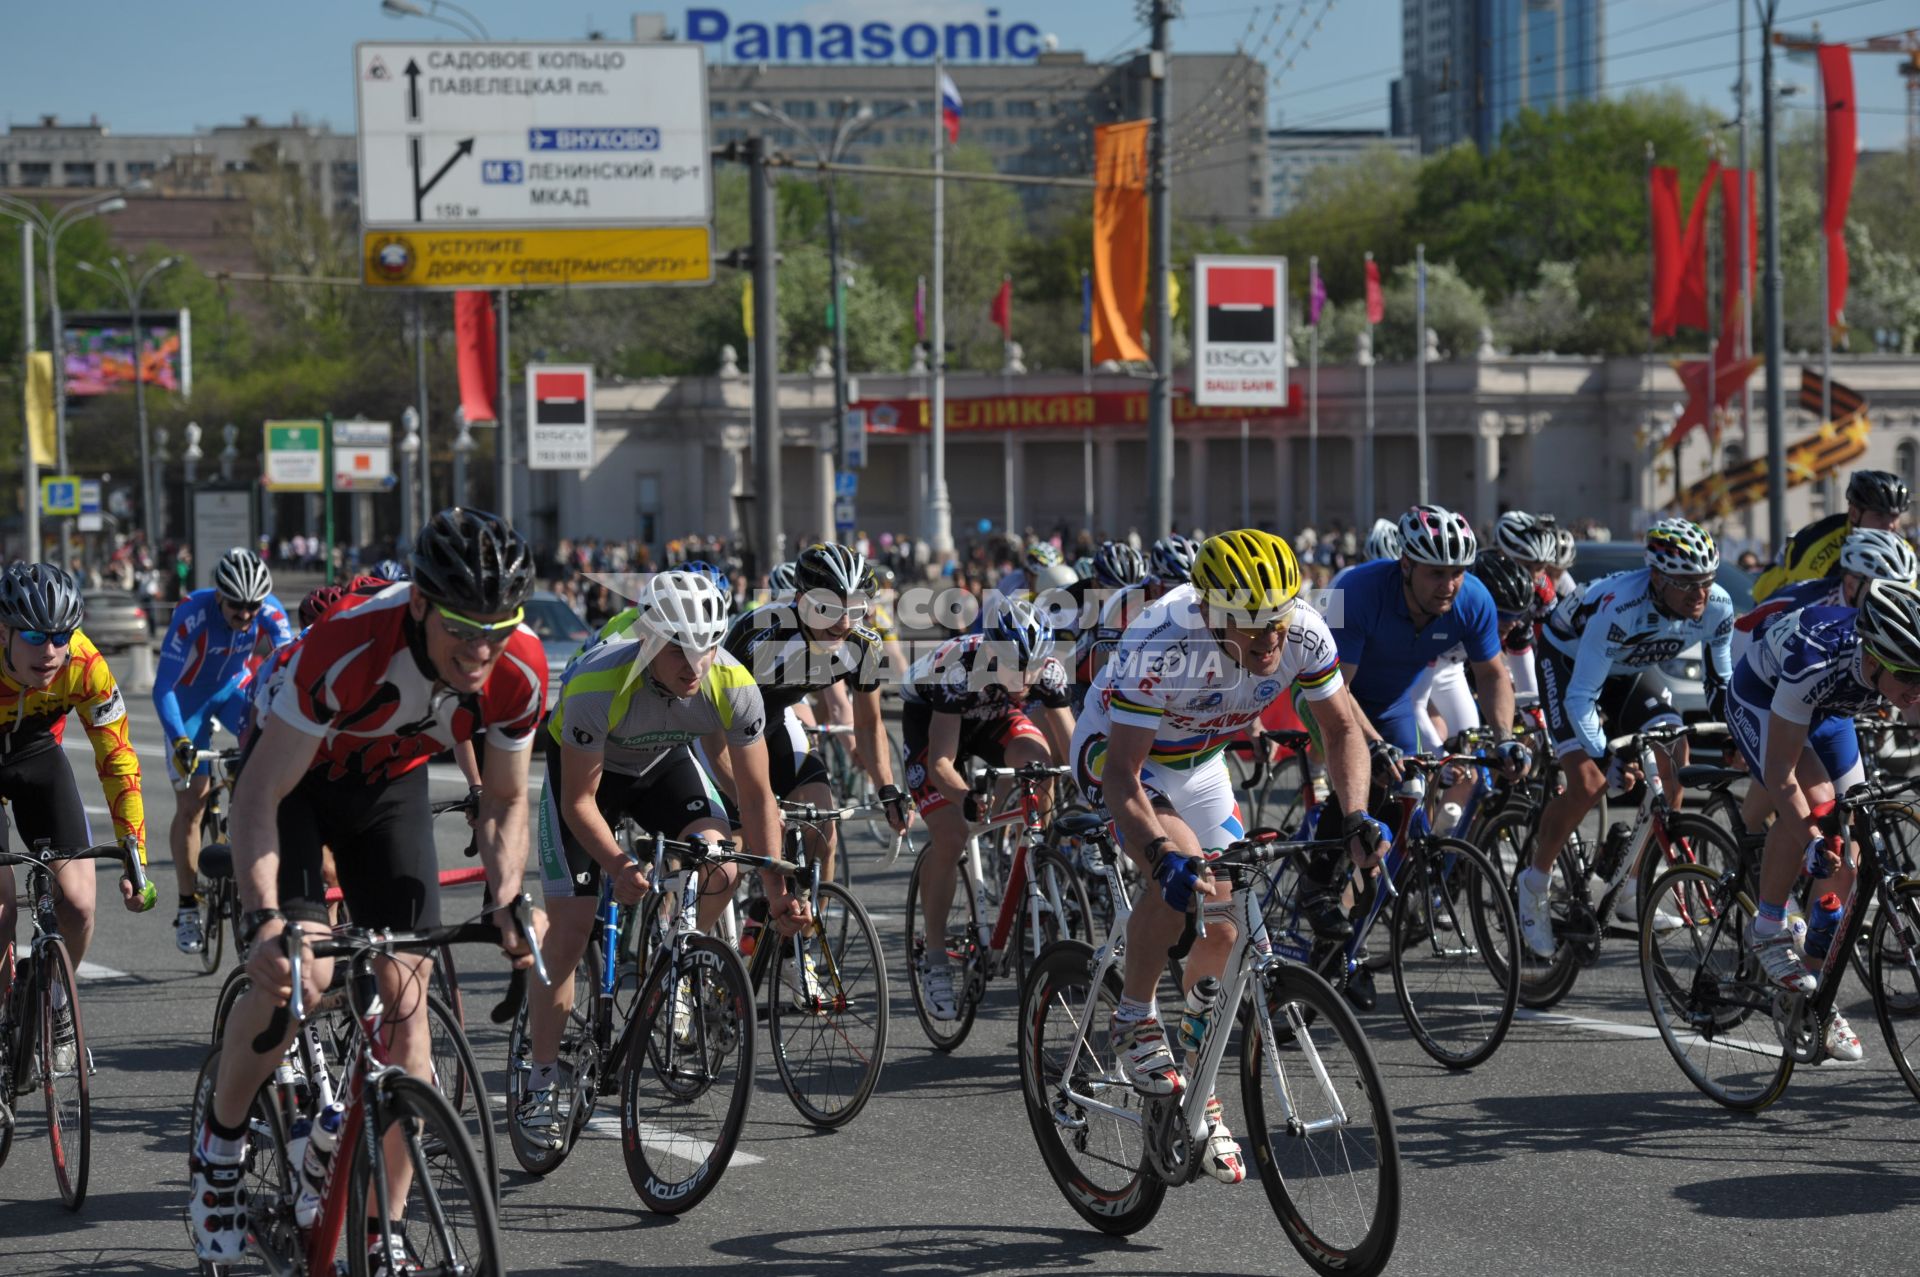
x,y
1222,1159
1627,909
1536,921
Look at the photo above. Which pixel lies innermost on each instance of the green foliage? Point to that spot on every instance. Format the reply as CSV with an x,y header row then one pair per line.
x,y
1345,212
1455,311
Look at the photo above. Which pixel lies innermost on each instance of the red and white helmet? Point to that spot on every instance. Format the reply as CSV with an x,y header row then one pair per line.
x,y
1435,535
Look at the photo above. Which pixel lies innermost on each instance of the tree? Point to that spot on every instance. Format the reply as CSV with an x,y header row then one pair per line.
x,y
1547,317
1456,311
1345,212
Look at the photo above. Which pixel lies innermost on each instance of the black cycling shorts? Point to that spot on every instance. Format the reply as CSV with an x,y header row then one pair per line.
x,y
1627,702
381,835
673,794
791,761
46,802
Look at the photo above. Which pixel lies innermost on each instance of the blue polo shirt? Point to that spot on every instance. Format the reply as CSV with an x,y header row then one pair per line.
x,y
1376,632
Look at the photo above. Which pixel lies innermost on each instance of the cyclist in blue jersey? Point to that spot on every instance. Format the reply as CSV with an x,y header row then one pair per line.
x,y
1395,617
1791,709
1600,659
202,676
1868,554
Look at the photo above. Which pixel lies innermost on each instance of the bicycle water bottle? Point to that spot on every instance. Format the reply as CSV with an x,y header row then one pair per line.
x,y
321,1138
1202,999
1825,921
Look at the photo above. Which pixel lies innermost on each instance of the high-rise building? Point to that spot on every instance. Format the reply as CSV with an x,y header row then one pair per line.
x,y
1294,155
1468,67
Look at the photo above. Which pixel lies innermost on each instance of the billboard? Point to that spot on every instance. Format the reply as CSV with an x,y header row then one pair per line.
x,y
1240,331
99,356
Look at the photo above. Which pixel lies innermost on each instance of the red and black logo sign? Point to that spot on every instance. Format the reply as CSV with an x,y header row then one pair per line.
x,y
1240,304
560,398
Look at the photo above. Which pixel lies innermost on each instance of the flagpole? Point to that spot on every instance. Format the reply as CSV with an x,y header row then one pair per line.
x,y
1651,493
1366,466
1713,347
1826,265
1420,360
940,509
1086,387
1745,343
1313,395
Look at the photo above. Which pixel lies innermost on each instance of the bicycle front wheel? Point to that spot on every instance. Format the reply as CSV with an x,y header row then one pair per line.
x,y
576,1046
64,1066
213,911
827,1013
1065,913
448,1223
1894,979
688,1074
272,1237
1088,1121
1507,842
457,1076
1319,1124
962,928
1456,951
1709,998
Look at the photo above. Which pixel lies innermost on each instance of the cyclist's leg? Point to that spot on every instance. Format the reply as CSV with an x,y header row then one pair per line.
x,y
946,832
794,772
50,808
570,886
1584,780
189,801
681,795
1202,800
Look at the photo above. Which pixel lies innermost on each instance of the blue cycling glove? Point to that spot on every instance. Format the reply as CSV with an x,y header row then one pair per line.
x,y
1177,876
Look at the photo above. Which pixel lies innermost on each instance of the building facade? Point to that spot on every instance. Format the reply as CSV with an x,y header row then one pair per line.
x,y
1293,155
1468,67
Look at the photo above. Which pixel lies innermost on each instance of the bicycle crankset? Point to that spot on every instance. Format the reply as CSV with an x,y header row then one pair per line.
x,y
1171,1154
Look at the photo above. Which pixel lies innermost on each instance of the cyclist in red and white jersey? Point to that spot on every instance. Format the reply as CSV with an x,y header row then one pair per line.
x,y
381,684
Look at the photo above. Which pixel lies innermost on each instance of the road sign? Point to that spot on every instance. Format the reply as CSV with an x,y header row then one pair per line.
x,y
362,456
560,416
846,483
90,520
294,460
1240,331
843,513
853,440
593,134
60,494
570,257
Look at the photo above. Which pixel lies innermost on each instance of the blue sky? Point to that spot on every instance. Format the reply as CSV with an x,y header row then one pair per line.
x,y
172,67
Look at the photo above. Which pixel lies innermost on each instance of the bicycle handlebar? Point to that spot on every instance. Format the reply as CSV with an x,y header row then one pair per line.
x,y
1026,771
42,855
719,852
1660,735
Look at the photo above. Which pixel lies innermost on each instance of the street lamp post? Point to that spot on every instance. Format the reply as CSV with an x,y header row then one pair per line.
x,y
409,450
135,290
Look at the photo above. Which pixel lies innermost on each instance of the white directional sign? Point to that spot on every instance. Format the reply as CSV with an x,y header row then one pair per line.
x,y
532,135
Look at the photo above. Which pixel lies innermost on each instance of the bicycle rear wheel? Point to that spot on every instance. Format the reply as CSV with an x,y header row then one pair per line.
x,y
1334,1185
828,1017
272,1238
576,1043
1709,999
688,1074
1065,911
1095,1155
457,1076
962,944
64,1069
213,910
1456,950
449,1223
1894,979
1508,843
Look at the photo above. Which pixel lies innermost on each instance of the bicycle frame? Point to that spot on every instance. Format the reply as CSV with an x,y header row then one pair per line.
x,y
1021,890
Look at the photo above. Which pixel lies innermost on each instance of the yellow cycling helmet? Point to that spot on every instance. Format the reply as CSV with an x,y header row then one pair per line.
x,y
1248,572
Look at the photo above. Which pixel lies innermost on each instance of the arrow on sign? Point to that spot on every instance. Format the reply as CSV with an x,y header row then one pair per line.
x,y
413,90
419,191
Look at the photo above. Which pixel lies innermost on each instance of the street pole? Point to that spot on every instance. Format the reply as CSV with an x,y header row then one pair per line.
x,y
1826,272
1160,255
1744,345
1313,408
1420,361
838,294
1366,461
30,468
1246,476
768,522
941,507
503,412
59,393
1776,385
326,490
420,381
1086,432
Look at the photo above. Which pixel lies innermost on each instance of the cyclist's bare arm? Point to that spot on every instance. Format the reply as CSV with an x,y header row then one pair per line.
x,y
1496,692
1127,799
720,764
870,738
464,759
1343,732
1348,671
835,705
1057,726
501,836
760,823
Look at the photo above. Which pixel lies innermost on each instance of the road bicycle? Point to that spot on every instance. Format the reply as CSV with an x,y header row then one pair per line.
x,y
1623,864
833,742
1274,770
1314,1107
219,896
1452,942
1735,1036
34,1051
1038,894
450,1222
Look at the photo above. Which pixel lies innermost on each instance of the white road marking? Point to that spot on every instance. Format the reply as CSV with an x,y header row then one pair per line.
x,y
681,1146
1757,1046
94,971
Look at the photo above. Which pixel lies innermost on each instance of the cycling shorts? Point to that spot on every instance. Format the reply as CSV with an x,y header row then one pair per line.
x,y
674,793
381,836
232,709
1833,740
45,799
1627,702
985,739
791,761
1445,691
1201,796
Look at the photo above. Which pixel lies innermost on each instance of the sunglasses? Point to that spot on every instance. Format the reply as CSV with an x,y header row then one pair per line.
x,y
464,629
41,638
239,609
1905,675
831,612
1691,585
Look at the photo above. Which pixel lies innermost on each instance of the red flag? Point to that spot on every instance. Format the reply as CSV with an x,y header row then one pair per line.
x,y
1836,87
1729,223
1002,312
473,338
1663,193
1730,373
1376,304
1690,309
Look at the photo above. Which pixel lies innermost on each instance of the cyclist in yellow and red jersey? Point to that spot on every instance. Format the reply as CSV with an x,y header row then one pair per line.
x,y
48,669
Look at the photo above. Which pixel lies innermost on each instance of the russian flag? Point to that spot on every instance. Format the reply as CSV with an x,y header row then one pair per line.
x,y
950,107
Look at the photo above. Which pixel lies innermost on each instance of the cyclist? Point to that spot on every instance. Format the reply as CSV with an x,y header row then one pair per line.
x,y
51,670
1599,660
388,570
1791,709
1867,554
971,698
1031,575
793,650
1560,571
1443,701
1192,671
203,676
1169,565
619,744
1075,610
1875,499
381,684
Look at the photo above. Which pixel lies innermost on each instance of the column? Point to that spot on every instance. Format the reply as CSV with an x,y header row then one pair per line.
x,y
733,472
1362,519
822,494
1197,484
1486,477
1010,484
1286,524
917,486
693,497
1106,478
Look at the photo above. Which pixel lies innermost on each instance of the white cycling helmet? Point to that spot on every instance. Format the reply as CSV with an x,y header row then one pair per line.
x,y
684,608
1565,547
1384,541
1435,535
1889,623
1884,556
1680,547
1525,538
240,577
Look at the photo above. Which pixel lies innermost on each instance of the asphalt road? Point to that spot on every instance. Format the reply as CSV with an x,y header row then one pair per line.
x,y
1578,1148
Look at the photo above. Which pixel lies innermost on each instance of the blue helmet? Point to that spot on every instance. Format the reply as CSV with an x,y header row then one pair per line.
x,y
1171,559
715,574
389,570
1021,632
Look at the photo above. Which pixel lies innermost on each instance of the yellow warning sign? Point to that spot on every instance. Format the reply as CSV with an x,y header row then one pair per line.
x,y
560,258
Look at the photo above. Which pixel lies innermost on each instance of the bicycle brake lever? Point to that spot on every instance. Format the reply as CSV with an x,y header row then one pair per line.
x,y
522,911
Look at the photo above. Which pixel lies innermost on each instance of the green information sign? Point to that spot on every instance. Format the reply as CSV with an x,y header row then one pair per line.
x,y
295,457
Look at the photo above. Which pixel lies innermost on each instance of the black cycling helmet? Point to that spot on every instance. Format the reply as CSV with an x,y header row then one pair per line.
x,y
1510,584
831,567
472,561
39,596
1878,490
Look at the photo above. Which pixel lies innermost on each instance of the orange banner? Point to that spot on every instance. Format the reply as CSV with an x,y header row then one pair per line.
x,y
1835,445
1119,240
